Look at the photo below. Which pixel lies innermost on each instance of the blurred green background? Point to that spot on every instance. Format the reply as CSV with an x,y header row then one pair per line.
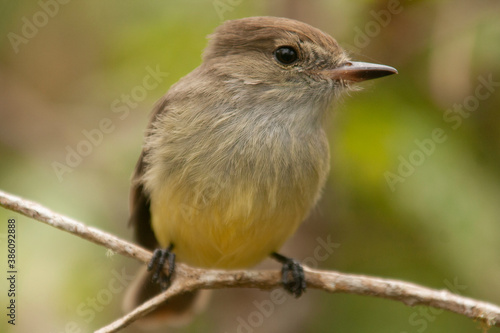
x,y
401,202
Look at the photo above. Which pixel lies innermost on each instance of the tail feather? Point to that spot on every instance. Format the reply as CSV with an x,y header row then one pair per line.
x,y
177,311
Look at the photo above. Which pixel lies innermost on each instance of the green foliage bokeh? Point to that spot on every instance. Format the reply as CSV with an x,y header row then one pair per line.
x,y
438,225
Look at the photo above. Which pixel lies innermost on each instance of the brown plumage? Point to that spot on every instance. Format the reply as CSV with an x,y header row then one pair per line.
x,y
235,155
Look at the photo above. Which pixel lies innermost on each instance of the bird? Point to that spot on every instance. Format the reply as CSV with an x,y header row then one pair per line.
x,y
236,155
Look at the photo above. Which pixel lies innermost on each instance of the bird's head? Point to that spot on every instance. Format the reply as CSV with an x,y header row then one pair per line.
x,y
284,57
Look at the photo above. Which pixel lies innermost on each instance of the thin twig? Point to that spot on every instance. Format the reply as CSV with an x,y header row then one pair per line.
x,y
189,278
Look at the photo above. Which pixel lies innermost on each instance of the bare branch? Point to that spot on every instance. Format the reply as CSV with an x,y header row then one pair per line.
x,y
189,278
45,215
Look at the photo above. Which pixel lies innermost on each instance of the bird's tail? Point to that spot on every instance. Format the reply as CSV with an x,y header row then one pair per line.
x,y
177,311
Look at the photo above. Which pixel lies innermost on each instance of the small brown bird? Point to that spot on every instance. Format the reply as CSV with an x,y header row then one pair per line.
x,y
235,155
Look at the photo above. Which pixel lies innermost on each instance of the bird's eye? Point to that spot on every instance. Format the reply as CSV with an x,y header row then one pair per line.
x,y
286,55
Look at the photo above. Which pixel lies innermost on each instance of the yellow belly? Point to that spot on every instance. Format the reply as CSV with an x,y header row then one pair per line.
x,y
231,204
228,226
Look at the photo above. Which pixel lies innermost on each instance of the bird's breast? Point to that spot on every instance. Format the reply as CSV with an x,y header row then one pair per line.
x,y
231,197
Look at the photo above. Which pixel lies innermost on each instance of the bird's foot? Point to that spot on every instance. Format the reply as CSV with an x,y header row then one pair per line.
x,y
160,256
292,275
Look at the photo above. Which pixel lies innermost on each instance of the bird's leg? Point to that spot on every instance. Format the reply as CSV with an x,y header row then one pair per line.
x,y
292,275
160,256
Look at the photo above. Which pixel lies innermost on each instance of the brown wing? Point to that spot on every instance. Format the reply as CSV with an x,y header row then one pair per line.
x,y
140,215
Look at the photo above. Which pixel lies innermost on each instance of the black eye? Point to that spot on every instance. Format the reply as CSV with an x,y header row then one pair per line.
x,y
286,55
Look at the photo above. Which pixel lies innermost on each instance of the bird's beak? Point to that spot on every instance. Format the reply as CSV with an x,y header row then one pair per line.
x,y
359,71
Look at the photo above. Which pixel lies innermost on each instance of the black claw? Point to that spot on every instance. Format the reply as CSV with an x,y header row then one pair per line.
x,y
160,256
292,275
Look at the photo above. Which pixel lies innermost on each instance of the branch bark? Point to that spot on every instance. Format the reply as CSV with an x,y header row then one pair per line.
x,y
189,278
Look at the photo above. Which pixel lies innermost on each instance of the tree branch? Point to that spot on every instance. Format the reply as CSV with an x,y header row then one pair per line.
x,y
190,278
